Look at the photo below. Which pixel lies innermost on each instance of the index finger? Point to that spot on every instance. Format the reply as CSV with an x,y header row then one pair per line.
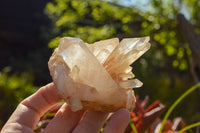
x,y
32,108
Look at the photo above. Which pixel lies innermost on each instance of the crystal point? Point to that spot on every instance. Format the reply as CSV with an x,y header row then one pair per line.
x,y
97,76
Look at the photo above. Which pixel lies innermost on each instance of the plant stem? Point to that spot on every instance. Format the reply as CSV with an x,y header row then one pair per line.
x,y
133,127
189,127
193,88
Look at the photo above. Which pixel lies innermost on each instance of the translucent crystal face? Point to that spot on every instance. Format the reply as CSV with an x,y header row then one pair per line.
x,y
97,76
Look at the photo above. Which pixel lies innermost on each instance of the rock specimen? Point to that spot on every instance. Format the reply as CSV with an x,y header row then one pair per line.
x,y
97,76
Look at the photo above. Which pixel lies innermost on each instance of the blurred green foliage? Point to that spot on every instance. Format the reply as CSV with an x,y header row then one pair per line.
x,y
97,20
13,89
88,20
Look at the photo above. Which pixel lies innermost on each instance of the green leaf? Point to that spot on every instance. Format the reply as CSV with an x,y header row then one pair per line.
x,y
190,90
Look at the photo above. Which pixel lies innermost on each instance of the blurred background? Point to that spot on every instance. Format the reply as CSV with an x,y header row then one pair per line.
x,y
30,30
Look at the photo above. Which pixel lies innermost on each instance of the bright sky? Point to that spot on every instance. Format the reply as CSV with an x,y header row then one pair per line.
x,y
140,4
145,5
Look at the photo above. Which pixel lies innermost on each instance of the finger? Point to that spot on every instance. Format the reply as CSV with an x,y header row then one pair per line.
x,y
32,108
118,122
16,128
64,121
91,123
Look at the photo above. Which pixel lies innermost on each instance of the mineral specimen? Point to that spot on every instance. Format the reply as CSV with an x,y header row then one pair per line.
x,y
97,76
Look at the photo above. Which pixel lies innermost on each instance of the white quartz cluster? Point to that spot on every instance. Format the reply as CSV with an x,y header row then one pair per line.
x,y
97,76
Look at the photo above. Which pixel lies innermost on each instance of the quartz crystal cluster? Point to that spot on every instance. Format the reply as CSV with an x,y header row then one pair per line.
x,y
97,76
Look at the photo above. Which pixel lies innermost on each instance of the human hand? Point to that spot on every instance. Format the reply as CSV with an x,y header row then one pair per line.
x,y
28,113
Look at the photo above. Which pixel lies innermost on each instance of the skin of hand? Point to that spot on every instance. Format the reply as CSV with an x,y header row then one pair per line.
x,y
27,114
